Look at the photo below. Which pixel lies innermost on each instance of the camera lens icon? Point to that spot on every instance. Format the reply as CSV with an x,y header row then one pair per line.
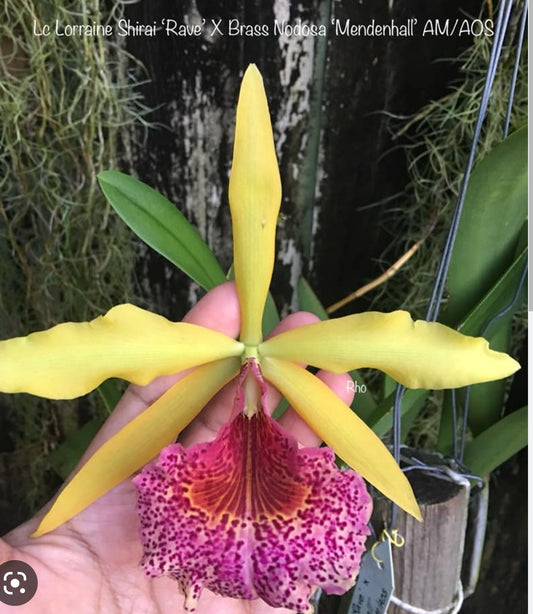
x,y
18,582
13,583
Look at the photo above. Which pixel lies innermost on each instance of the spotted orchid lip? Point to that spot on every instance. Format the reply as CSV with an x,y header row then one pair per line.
x,y
72,358
250,515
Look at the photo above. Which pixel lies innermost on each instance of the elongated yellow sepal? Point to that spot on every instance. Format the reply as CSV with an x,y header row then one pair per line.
x,y
417,354
254,197
71,359
139,441
342,430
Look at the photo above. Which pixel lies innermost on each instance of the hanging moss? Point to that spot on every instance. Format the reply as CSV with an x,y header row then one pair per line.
x,y
439,139
438,144
66,108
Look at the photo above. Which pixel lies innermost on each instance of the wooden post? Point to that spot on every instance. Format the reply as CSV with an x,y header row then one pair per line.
x,y
427,569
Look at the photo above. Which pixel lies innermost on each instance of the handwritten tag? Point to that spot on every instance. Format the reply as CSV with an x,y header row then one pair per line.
x,y
375,583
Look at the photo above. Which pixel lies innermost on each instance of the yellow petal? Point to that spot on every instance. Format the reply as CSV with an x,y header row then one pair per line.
x,y
417,354
254,198
342,430
71,359
139,441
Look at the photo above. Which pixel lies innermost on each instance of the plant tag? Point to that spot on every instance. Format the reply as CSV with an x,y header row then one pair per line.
x,y
375,583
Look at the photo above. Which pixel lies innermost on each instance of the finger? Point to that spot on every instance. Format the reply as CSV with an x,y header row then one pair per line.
x,y
218,310
299,318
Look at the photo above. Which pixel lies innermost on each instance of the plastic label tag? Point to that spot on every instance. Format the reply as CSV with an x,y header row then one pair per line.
x,y
375,583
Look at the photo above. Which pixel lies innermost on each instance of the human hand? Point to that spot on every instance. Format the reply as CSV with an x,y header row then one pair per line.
x,y
90,564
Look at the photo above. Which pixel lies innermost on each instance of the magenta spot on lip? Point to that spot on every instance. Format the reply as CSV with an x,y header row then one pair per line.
x,y
250,515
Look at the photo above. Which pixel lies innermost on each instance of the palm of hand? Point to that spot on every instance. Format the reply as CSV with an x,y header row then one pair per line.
x,y
90,564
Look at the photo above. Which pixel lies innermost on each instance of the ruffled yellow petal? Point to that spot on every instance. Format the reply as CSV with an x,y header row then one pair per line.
x,y
342,430
254,197
139,441
417,354
71,359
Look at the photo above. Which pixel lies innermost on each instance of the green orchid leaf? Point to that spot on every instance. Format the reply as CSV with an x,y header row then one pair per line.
x,y
496,299
309,301
498,443
110,392
485,270
270,315
380,421
281,408
389,386
523,238
494,211
159,224
363,403
67,455
486,400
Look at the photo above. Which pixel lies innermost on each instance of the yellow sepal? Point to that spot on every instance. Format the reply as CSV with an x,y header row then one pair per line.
x,y
71,359
254,198
342,430
139,441
417,354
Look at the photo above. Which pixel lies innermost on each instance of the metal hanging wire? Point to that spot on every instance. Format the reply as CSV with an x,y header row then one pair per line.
x,y
502,24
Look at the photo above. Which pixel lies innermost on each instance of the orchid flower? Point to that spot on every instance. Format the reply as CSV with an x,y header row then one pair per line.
x,y
250,514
